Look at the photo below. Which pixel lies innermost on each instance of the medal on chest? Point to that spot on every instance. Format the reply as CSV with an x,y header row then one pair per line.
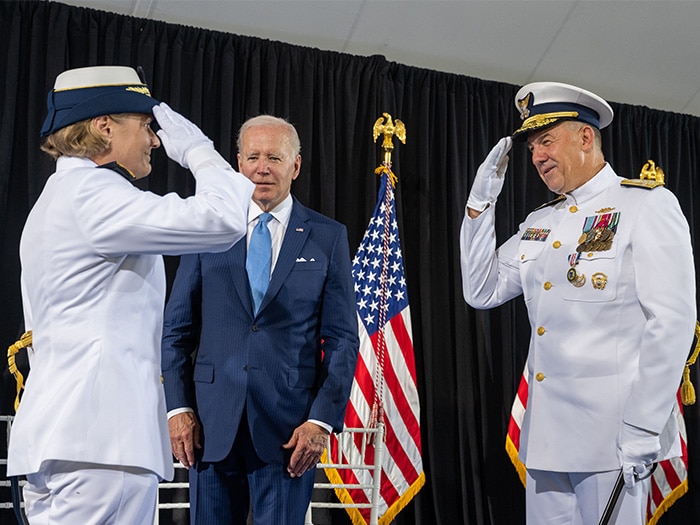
x,y
575,278
598,232
597,235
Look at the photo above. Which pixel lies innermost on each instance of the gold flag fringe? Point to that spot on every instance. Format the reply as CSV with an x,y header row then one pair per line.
x,y
355,515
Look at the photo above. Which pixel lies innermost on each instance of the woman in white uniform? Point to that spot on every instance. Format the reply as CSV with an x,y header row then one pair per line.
x,y
91,434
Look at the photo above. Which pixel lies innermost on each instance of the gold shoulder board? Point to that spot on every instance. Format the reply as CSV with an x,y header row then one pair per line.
x,y
642,183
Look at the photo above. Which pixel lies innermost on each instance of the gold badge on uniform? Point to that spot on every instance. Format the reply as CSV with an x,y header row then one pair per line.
x,y
599,280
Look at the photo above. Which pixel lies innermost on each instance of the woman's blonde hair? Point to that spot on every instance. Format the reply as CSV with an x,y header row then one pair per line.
x,y
78,140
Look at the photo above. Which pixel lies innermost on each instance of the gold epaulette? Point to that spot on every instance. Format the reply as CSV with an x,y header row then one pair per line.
x,y
651,176
550,203
639,183
687,388
24,342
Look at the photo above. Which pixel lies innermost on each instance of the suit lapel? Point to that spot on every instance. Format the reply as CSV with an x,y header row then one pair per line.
x,y
236,263
294,239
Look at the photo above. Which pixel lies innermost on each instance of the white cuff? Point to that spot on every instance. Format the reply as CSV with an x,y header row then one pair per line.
x,y
322,425
205,156
176,411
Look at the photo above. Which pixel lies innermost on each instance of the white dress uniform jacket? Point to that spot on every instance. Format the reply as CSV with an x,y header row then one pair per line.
x,y
611,345
93,288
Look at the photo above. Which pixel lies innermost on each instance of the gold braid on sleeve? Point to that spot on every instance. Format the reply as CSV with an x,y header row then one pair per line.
x,y
24,342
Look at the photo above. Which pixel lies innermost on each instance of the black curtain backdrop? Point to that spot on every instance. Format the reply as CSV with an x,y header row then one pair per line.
x,y
468,362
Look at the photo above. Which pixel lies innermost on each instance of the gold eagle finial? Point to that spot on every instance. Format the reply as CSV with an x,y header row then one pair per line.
x,y
388,129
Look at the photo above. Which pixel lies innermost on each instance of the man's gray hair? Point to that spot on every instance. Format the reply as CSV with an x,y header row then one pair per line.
x,y
269,120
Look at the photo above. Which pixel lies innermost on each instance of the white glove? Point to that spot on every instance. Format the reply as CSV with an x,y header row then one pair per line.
x,y
181,138
490,176
638,450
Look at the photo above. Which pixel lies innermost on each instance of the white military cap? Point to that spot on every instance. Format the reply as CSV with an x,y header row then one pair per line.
x,y
542,104
88,92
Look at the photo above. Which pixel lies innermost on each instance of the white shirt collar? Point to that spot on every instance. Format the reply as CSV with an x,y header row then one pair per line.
x,y
281,212
604,178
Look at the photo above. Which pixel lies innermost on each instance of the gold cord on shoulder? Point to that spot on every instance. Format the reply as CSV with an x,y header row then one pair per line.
x,y
23,342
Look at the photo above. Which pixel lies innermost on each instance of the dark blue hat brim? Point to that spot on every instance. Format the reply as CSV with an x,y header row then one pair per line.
x,y
71,106
546,115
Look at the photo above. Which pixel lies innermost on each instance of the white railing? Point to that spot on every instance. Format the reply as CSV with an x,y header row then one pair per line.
x,y
5,482
172,485
353,458
162,487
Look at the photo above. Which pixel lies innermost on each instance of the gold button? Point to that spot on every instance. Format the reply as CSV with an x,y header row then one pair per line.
x,y
522,257
162,379
556,244
539,377
573,209
540,330
547,285
590,254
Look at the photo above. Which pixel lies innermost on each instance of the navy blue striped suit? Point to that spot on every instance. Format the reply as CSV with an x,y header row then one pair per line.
x,y
270,369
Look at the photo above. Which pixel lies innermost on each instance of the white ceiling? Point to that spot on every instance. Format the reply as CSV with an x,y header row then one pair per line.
x,y
642,52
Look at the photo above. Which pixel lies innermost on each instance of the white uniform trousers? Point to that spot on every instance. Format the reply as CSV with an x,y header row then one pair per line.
x,y
68,493
565,498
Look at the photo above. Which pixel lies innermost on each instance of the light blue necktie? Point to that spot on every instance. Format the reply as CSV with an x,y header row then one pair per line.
x,y
259,260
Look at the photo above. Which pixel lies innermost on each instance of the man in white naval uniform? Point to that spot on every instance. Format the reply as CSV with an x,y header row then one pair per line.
x,y
607,274
91,433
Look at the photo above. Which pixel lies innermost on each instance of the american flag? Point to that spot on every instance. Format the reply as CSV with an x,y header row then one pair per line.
x,y
384,386
668,483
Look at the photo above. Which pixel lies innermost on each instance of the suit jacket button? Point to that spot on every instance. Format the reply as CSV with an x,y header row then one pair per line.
x,y
255,328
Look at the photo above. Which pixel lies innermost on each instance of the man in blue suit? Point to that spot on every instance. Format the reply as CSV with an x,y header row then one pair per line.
x,y
253,390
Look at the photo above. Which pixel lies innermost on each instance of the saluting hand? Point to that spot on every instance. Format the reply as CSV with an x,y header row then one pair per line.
x,y
179,136
490,176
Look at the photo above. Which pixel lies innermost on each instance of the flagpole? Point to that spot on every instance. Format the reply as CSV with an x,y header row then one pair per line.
x,y
383,398
389,128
